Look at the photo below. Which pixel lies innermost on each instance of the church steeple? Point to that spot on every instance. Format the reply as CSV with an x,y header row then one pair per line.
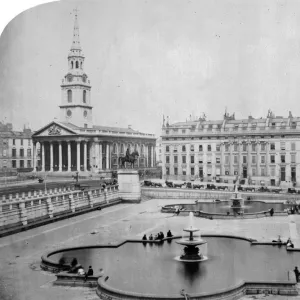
x,y
76,89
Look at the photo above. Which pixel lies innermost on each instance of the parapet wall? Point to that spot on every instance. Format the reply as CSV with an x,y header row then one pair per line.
x,y
27,209
173,193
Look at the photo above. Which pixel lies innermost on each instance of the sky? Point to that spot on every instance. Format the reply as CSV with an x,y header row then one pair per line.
x,y
146,59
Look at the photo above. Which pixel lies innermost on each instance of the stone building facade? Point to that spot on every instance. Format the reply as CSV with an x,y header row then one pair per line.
x,y
74,143
262,151
15,149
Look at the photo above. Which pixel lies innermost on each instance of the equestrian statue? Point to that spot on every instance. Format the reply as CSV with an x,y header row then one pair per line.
x,y
131,158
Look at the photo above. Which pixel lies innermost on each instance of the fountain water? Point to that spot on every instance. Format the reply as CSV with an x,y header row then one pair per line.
x,y
192,253
237,202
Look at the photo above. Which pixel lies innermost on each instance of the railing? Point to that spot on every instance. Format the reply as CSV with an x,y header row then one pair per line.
x,y
27,208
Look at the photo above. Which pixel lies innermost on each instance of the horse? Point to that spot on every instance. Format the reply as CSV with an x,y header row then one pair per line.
x,y
131,159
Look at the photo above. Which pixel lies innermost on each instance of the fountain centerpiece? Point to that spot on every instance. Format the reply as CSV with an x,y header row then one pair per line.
x,y
236,200
191,252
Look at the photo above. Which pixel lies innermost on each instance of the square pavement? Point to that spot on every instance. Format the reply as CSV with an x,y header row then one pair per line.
x,y
21,277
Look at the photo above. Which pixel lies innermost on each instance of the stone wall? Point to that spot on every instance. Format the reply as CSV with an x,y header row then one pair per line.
x,y
22,210
173,193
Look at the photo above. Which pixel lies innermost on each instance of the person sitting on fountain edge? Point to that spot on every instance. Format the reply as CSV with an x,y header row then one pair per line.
x,y
169,234
289,243
151,237
145,237
90,272
161,235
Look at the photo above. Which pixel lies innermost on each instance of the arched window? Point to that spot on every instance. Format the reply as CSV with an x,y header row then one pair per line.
x,y
69,96
81,65
115,148
72,65
84,96
122,148
167,149
77,65
183,148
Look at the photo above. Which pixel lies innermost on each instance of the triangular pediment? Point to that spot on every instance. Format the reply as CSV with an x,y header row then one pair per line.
x,y
54,129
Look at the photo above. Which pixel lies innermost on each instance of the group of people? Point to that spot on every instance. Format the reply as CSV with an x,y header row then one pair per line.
x,y
158,236
289,242
77,268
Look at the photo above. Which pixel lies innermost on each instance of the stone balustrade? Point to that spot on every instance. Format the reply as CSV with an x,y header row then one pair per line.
x,y
28,208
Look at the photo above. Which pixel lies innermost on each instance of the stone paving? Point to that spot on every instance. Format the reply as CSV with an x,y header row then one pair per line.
x,y
20,274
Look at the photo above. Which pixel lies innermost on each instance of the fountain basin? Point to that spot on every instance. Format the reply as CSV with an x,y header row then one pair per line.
x,y
220,209
150,265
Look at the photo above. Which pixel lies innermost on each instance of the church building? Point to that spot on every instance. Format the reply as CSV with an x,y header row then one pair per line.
x,y
74,143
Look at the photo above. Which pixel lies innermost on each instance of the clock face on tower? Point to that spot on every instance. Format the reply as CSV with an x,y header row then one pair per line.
x,y
69,113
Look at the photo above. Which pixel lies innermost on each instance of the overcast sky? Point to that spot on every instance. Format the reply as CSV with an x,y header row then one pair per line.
x,y
149,58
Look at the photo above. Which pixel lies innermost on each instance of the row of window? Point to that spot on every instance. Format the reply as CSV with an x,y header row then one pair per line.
x,y
255,172
70,96
236,127
22,142
22,164
235,147
21,151
235,159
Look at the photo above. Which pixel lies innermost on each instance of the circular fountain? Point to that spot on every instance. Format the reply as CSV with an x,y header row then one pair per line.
x,y
192,253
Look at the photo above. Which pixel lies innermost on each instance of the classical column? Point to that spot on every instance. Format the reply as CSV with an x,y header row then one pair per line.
x,y
107,157
59,157
51,156
69,156
146,156
138,159
95,150
78,156
84,155
43,156
34,156
152,158
100,156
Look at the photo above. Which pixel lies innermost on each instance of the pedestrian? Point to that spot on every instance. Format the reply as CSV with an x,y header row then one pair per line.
x,y
151,237
297,273
144,237
272,212
90,272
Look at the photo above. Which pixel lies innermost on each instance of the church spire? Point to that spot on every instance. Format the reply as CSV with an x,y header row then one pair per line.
x,y
76,40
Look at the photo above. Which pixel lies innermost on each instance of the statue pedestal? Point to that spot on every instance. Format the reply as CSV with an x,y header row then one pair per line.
x,y
129,186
